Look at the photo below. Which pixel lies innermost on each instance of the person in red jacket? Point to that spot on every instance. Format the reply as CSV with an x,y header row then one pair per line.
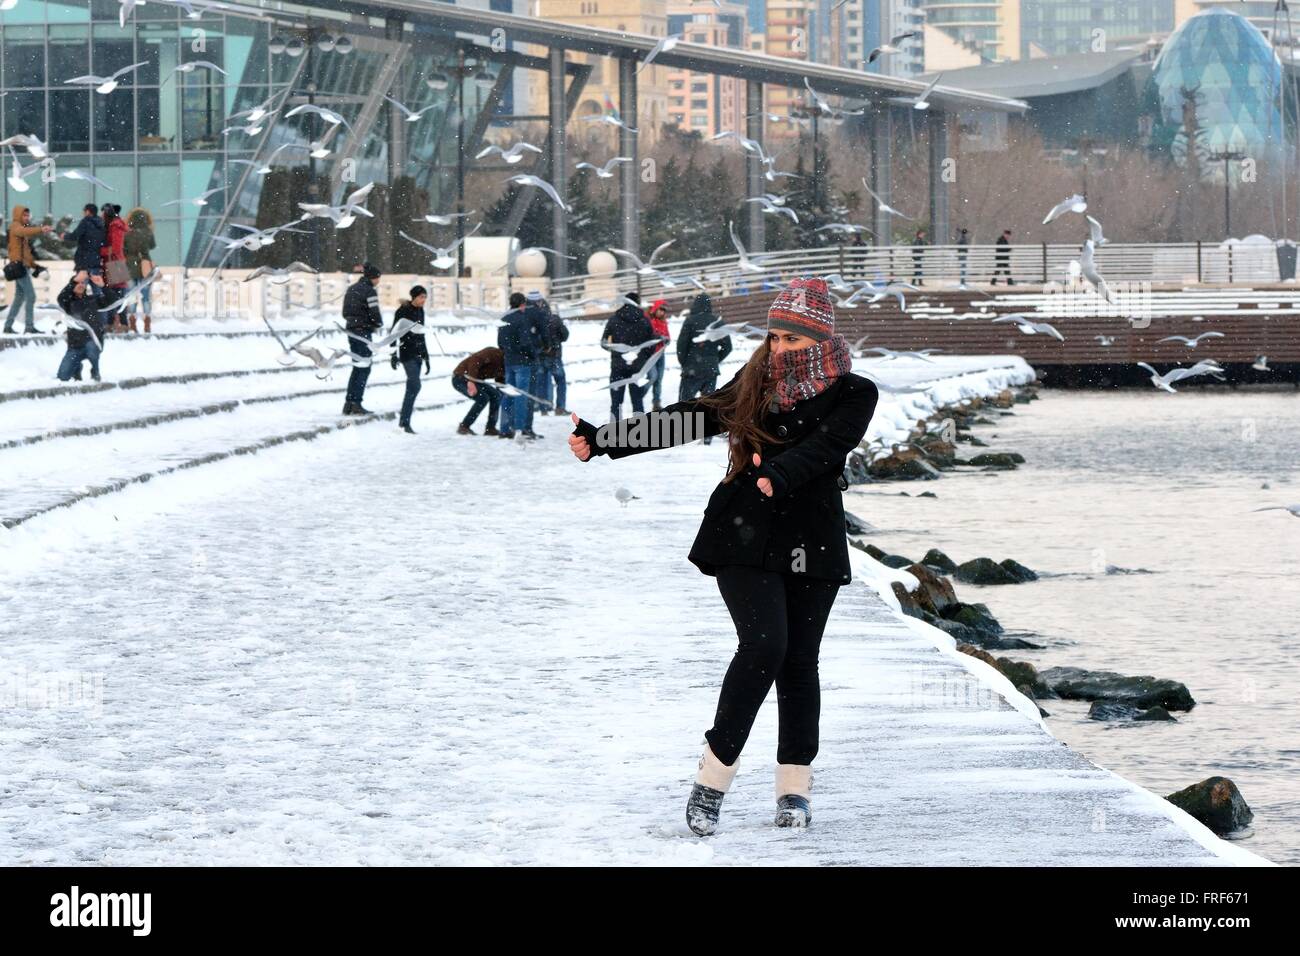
x,y
658,316
114,250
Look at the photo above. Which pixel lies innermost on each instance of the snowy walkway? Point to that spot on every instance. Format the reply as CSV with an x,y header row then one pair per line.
x,y
373,648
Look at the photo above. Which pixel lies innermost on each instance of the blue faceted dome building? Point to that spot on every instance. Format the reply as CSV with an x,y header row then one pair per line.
x,y
1237,79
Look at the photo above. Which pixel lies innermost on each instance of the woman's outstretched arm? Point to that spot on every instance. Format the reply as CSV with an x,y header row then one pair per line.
x,y
675,424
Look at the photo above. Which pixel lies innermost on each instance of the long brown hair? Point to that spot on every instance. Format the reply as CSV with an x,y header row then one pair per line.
x,y
740,409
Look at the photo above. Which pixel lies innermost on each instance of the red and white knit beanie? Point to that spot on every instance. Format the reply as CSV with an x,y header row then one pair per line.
x,y
804,306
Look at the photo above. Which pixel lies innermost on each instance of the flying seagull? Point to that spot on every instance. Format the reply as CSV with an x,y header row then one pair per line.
x,y
525,179
1089,269
663,46
922,102
199,200
606,171
328,115
609,121
1165,381
1094,232
283,274
411,116
1293,509
444,257
194,65
884,206
1191,343
512,155
444,219
890,48
1075,203
104,84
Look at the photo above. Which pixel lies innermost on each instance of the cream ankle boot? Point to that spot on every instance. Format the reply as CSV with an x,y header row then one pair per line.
x,y
712,780
793,794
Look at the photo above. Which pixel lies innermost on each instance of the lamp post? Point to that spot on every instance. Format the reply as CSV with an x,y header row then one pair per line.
x,y
463,68
311,40
1227,156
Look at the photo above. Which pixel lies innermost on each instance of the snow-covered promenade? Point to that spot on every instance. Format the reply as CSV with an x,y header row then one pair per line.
x,y
377,648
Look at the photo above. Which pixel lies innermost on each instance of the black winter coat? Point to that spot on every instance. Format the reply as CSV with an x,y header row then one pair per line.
x,y
801,527
700,358
88,308
361,308
627,326
557,333
520,339
412,344
90,236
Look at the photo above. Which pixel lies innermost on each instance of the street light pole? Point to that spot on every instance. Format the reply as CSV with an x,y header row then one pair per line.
x,y
460,162
1227,156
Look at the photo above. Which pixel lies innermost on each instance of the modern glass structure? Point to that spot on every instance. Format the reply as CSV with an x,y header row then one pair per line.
x,y
1235,77
165,136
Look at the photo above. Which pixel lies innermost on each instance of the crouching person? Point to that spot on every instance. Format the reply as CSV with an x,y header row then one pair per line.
x,y
486,365
83,299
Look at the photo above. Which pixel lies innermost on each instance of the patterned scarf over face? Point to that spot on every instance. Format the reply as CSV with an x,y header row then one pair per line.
x,y
797,374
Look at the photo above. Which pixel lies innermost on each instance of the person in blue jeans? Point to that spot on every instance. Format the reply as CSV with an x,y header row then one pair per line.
x,y
412,353
520,341
538,315
553,362
21,233
83,299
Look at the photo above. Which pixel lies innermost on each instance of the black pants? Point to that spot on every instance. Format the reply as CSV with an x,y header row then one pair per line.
x,y
616,399
412,367
779,620
696,383
360,373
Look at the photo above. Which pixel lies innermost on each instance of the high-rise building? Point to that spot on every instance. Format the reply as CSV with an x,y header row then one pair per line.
x,y
789,34
647,17
703,102
1055,27
870,23
992,26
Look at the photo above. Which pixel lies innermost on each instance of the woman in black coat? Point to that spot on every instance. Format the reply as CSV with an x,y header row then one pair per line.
x,y
412,353
773,530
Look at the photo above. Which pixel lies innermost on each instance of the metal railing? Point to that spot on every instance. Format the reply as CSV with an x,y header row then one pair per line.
x,y
1169,263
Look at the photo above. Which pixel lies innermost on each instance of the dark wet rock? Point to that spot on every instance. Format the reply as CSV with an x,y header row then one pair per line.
x,y
984,571
860,545
1216,802
871,549
993,459
1144,692
1018,570
903,465
1003,399
1118,710
977,616
858,469
1025,397
927,494
1022,674
934,592
855,525
895,561
939,452
972,440
984,420
937,559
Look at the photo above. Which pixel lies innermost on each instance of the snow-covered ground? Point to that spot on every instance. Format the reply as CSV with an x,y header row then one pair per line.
x,y
378,648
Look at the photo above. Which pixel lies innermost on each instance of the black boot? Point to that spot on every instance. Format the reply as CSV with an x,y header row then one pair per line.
x,y
347,408
702,809
408,429
793,810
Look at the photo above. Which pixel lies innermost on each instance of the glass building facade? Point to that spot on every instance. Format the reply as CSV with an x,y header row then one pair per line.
x,y
164,135
1237,82
1071,26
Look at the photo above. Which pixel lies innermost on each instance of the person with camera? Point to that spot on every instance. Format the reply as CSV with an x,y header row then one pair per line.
x,y
22,268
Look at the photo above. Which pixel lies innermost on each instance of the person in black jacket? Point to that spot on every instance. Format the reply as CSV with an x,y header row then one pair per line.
x,y
1003,259
90,237
557,333
537,318
519,343
627,326
83,299
700,361
362,319
411,352
773,530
